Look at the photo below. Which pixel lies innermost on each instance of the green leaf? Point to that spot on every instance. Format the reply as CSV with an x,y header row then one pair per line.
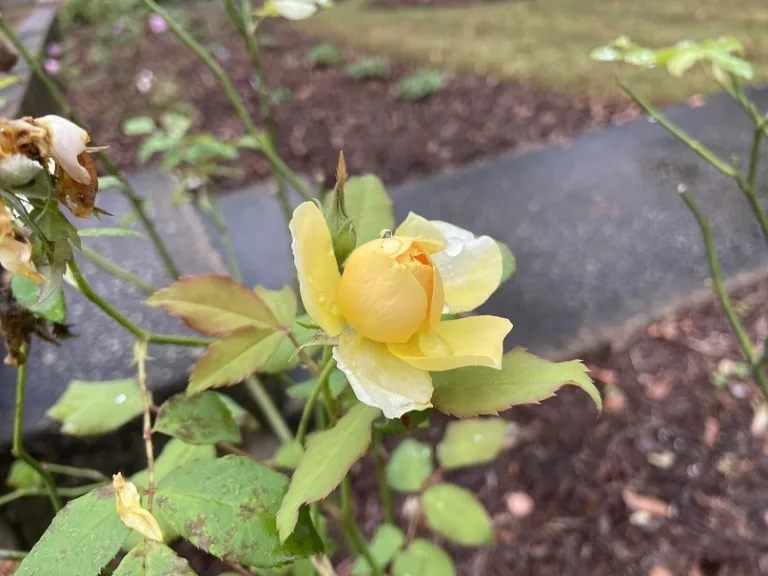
x,y
336,383
422,558
409,466
158,142
214,305
508,262
456,514
27,294
227,507
368,206
109,182
201,419
233,358
328,457
420,85
82,538
111,232
413,420
93,408
286,358
523,379
288,456
387,542
175,124
22,475
681,62
153,559
282,303
241,416
139,125
471,442
248,141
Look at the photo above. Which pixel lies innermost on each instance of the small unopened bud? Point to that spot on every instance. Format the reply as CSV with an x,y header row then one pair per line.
x,y
341,227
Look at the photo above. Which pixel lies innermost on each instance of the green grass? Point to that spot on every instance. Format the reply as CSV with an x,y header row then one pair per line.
x,y
547,42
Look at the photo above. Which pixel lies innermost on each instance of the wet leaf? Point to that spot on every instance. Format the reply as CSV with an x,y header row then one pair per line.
x,y
214,305
201,419
387,542
409,466
22,475
27,293
368,206
471,442
282,303
456,514
153,559
523,379
62,551
328,457
422,558
92,408
233,358
227,507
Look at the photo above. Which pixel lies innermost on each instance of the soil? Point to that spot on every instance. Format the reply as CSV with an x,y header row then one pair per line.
x,y
473,118
395,4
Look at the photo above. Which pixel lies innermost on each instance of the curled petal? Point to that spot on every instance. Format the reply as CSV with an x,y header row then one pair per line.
x,y
472,341
470,267
316,267
131,512
381,379
419,227
78,197
15,256
67,142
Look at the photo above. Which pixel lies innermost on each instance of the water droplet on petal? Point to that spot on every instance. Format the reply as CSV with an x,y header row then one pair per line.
x,y
390,245
385,233
453,247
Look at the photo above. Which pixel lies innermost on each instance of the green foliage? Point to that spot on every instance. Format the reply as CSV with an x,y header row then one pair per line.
x,y
337,383
288,456
109,233
387,542
325,54
22,475
328,457
240,415
80,12
227,507
409,466
82,408
153,559
471,442
365,68
420,85
456,514
369,207
523,379
723,54
280,94
201,419
139,125
422,558
82,538
27,294
508,262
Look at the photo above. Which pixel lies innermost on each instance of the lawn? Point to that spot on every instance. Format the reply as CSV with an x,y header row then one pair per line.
x,y
547,42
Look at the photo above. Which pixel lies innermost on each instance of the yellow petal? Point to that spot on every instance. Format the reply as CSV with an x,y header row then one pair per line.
x,y
470,267
316,267
380,379
131,512
419,227
67,142
472,341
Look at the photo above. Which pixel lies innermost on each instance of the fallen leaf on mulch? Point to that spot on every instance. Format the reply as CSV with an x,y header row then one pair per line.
x,y
641,503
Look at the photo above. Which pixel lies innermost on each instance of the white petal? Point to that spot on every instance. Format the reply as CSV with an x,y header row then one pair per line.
x,y
381,379
295,9
470,267
68,141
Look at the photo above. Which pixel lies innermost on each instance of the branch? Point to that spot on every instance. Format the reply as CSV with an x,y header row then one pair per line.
x,y
115,270
271,413
140,356
321,383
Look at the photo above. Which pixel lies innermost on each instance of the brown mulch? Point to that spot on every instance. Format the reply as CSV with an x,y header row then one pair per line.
x,y
472,119
395,4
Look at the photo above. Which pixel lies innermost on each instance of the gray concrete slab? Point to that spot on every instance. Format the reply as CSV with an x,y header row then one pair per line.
x,y
600,234
103,350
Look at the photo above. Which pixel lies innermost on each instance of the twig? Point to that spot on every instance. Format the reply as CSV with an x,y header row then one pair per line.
x,y
18,431
242,111
72,492
306,359
140,334
381,478
140,356
137,204
75,472
321,383
271,413
12,554
115,270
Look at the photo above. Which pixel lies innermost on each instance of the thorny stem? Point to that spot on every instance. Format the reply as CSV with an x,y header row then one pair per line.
x,y
125,188
271,413
351,527
140,356
381,478
18,430
722,294
278,165
115,270
75,472
321,383
716,162
306,359
140,334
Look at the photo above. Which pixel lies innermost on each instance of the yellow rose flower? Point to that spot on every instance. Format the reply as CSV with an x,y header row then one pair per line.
x,y
387,305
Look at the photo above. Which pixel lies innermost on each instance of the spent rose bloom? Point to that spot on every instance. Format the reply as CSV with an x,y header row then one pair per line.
x,y
130,510
15,250
386,307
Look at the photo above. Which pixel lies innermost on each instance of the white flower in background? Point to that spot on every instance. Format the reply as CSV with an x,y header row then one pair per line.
x,y
296,9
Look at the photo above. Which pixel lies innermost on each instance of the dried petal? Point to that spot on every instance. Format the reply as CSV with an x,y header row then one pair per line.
x,y
79,198
66,142
131,512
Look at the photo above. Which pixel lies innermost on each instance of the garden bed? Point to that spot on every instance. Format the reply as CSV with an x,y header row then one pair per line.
x,y
321,110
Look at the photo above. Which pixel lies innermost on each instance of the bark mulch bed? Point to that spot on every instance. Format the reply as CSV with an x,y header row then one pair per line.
x,y
471,119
